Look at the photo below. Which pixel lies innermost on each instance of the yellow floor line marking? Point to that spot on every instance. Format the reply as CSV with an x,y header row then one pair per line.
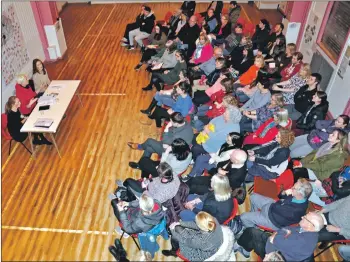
x,y
13,150
59,230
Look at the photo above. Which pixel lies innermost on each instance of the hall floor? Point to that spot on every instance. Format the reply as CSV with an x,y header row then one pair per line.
x,y
57,209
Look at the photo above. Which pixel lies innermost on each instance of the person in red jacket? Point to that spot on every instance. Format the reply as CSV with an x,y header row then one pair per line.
x,y
248,77
269,130
293,68
25,94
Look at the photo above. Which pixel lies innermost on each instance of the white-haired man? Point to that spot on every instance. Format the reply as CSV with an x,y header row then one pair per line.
x,y
295,243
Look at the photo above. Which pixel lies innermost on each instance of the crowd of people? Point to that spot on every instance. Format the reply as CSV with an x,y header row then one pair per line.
x,y
229,108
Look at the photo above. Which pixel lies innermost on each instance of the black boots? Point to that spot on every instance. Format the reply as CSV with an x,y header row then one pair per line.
x,y
118,251
39,139
148,111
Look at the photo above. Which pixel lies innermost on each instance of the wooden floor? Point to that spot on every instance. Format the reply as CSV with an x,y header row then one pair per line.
x,y
57,209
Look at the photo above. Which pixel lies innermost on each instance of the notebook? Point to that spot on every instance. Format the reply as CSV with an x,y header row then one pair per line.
x,y
43,122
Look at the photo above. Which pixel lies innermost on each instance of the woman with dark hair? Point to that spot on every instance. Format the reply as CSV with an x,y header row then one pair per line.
x,y
210,22
161,188
168,77
40,76
242,63
165,59
261,36
157,41
178,155
15,121
317,111
305,144
278,47
233,140
223,29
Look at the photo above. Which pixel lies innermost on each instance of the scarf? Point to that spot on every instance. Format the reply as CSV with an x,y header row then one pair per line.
x,y
198,51
270,154
267,128
324,150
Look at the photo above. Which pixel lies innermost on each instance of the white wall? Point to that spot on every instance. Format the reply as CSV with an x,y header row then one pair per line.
x,y
33,43
338,90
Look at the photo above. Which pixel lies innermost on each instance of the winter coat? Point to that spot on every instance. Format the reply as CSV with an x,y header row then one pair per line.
x,y
303,98
168,59
134,221
160,43
147,23
234,14
225,251
307,122
260,38
173,76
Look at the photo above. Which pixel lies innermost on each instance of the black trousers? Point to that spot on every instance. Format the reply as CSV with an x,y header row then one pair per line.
x,y
129,27
147,55
194,75
200,98
254,239
155,80
148,167
158,114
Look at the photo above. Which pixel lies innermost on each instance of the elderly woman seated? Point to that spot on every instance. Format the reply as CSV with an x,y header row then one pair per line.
x,y
201,239
217,202
138,216
178,100
214,134
269,160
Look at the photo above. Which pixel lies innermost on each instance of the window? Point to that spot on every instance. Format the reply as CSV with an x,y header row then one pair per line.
x,y
335,29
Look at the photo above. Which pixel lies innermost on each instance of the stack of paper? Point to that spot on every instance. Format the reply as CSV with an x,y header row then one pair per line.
x,y
46,100
43,122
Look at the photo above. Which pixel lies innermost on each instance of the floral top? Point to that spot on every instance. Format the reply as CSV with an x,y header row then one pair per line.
x,y
295,82
263,114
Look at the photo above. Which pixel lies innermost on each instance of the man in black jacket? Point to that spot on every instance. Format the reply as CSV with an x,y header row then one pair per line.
x,y
132,26
217,6
188,35
188,8
145,29
287,211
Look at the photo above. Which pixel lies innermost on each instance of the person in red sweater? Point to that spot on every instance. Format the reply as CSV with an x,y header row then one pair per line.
x,y
248,77
25,94
204,51
293,68
269,130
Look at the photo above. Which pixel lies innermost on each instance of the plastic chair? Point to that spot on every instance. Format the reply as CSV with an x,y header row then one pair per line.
x,y
233,213
224,11
167,16
345,241
241,21
6,135
249,29
133,236
178,253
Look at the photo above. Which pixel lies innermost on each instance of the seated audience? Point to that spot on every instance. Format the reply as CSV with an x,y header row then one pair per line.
x,y
317,111
277,35
218,202
222,30
336,218
214,134
25,94
15,121
132,26
176,128
161,188
197,240
284,59
183,21
234,12
204,50
178,101
40,77
269,130
278,47
210,80
157,41
232,41
260,38
138,216
146,24
305,144
269,160
288,210
188,7
166,58
258,98
290,87
338,185
253,119
188,35
169,27
217,6
241,63
178,155
295,243
210,22
168,77
303,97
293,68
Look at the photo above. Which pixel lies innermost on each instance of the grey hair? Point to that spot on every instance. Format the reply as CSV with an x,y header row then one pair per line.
x,y
317,221
221,187
146,203
305,188
20,78
282,116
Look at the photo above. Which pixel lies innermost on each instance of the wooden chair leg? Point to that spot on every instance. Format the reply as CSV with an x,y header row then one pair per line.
x,y
136,243
26,148
10,147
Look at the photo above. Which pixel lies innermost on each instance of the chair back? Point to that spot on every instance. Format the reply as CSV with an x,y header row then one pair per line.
x,y
167,16
178,253
4,132
233,213
241,21
249,29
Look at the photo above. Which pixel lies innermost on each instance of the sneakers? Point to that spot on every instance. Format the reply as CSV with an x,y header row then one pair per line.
x,y
241,250
124,40
124,44
130,47
147,88
137,68
119,183
119,231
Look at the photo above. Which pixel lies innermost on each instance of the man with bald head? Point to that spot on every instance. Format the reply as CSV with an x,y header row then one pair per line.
x,y
188,35
295,243
235,169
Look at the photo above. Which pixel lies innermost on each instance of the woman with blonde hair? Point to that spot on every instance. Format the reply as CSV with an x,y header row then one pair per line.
x,y
217,202
253,119
202,239
204,51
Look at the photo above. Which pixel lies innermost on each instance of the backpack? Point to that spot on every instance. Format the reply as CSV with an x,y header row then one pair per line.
x,y
124,194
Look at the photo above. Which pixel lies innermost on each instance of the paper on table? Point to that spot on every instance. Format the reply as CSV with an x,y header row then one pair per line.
x,y
46,100
58,86
43,122
157,66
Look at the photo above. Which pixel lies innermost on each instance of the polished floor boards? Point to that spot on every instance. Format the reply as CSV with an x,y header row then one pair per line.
x,y
57,209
